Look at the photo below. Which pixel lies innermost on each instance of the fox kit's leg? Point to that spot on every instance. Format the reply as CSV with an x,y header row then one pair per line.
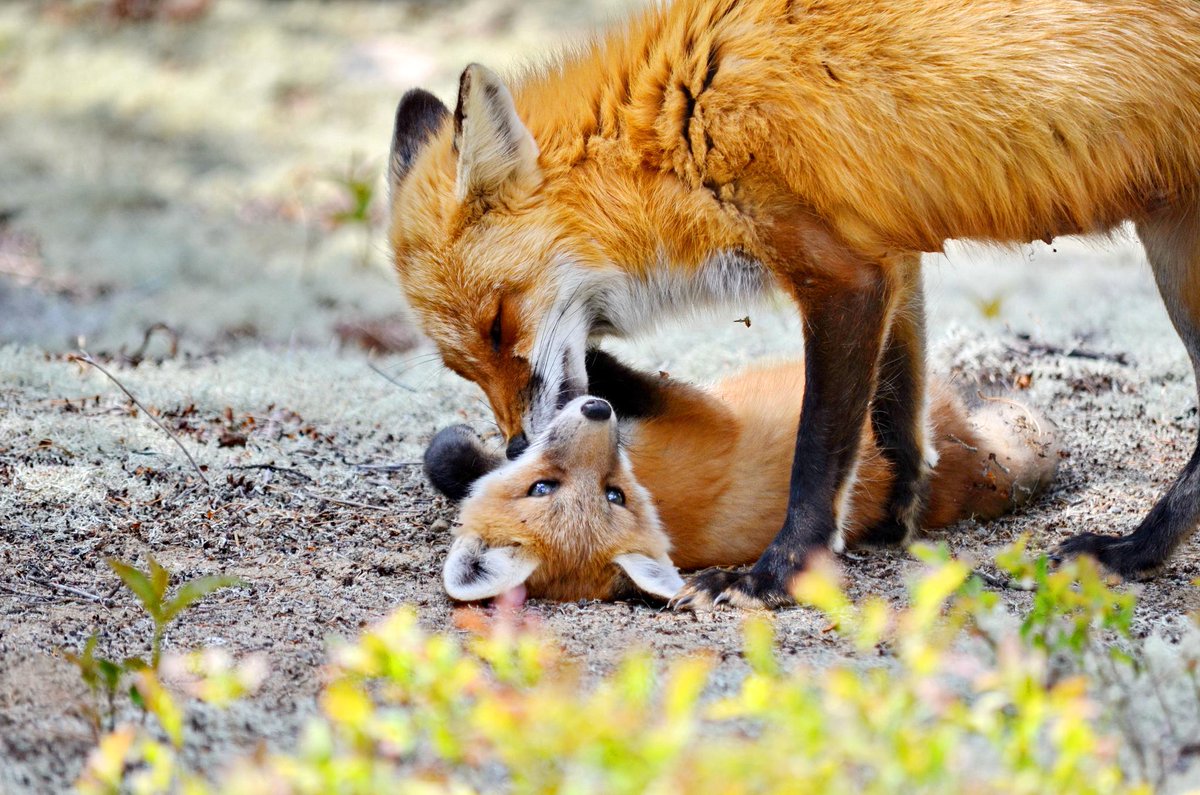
x,y
1172,241
845,302
899,410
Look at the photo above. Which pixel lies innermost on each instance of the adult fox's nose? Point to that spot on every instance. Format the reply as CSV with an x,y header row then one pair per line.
x,y
596,409
516,446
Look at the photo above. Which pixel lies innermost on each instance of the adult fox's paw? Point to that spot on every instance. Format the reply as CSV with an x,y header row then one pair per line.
x,y
748,590
1119,554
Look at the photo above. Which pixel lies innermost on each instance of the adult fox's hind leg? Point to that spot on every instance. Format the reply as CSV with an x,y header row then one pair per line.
x,y
899,410
1172,240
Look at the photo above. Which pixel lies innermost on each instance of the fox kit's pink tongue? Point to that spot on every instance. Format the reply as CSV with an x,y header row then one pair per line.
x,y
512,599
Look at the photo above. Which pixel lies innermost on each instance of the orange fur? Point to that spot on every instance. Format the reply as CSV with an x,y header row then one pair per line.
x,y
811,135
706,480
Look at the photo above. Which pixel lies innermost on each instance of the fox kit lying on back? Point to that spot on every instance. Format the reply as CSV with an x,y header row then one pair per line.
x,y
713,150
693,478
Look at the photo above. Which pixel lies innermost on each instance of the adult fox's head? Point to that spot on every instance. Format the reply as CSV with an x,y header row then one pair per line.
x,y
481,252
568,519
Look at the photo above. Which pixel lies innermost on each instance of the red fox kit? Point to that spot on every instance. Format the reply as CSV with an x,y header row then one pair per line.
x,y
693,478
713,150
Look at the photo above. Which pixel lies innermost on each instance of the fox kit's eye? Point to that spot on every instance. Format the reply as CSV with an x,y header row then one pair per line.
x,y
497,332
614,495
542,488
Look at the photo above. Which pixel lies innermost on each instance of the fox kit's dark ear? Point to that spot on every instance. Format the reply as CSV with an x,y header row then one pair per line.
x,y
455,459
418,117
495,150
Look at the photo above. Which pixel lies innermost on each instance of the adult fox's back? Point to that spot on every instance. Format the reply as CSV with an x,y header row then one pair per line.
x,y
904,121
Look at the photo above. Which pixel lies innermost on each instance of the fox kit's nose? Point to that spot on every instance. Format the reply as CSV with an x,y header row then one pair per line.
x,y
596,409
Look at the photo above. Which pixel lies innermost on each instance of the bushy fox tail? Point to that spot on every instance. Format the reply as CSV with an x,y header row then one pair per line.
x,y
992,458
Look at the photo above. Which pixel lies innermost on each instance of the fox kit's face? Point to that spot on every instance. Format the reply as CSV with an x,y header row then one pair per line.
x,y
567,519
480,252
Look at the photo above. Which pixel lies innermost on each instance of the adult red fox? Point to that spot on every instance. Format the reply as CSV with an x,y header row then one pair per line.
x,y
693,478
712,150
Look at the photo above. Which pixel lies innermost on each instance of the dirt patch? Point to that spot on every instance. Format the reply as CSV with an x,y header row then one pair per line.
x,y
320,509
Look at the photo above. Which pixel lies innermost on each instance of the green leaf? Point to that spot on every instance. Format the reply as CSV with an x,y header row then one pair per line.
x,y
134,664
141,586
159,578
195,590
86,662
110,672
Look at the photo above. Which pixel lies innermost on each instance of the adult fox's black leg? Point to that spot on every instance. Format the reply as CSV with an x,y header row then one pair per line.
x,y
899,410
844,314
1172,240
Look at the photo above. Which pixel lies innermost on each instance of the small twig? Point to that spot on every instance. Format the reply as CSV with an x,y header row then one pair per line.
x,y
1071,353
961,443
274,468
1003,584
346,503
57,586
86,358
138,355
389,379
37,597
387,467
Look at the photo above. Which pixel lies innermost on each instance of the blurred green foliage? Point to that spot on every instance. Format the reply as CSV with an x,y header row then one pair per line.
x,y
922,707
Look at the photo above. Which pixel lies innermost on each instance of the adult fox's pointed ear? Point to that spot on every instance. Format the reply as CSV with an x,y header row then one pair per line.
x,y
456,458
418,116
495,150
475,571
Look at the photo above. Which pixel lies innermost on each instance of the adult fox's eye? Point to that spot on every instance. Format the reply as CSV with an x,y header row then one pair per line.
x,y
497,332
614,495
542,488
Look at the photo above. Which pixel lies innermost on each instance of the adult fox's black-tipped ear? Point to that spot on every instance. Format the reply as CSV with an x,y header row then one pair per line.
x,y
496,152
418,116
455,459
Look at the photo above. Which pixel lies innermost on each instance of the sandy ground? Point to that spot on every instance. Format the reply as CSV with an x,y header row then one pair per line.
x,y
186,175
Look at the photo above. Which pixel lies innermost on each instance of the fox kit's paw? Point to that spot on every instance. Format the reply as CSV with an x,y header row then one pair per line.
x,y
748,590
1119,554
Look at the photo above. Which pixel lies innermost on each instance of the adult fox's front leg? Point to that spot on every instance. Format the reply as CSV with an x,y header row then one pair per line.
x,y
845,302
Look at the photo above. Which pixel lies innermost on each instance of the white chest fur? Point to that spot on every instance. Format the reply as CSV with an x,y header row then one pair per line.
x,y
623,304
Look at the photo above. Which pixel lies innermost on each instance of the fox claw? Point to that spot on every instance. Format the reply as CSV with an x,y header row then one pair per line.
x,y
681,601
1116,554
744,590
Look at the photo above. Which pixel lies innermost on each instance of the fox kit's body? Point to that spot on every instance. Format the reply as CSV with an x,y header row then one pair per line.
x,y
716,149
717,462
702,476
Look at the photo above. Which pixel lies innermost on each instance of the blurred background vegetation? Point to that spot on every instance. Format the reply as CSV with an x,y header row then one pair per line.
x,y
214,165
